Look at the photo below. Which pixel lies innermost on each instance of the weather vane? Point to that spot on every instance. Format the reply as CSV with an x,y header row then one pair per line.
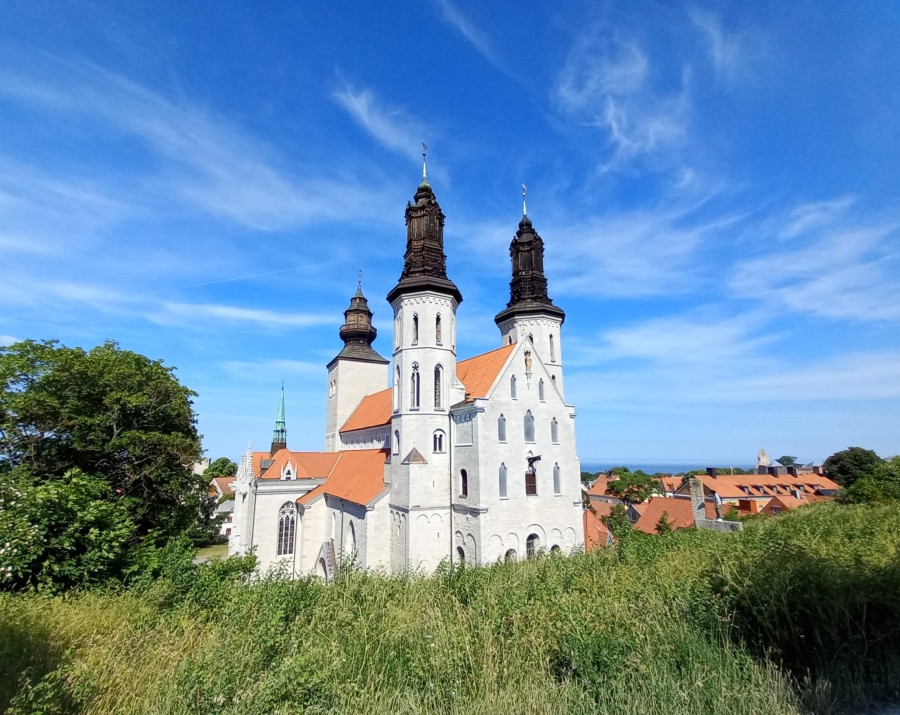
x,y
524,208
359,280
424,154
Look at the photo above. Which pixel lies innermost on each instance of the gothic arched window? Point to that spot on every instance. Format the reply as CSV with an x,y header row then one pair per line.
x,y
552,350
556,481
414,387
502,476
287,525
501,429
529,427
437,329
415,336
463,483
396,444
541,389
512,387
396,391
438,375
554,431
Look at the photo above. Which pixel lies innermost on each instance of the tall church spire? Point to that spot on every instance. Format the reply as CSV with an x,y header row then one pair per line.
x,y
424,264
279,435
528,287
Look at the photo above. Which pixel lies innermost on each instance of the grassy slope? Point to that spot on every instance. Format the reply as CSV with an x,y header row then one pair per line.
x,y
687,623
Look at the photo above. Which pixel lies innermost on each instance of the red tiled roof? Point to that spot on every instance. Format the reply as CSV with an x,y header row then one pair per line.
x,y
596,535
373,411
598,487
785,503
670,484
477,374
223,485
307,465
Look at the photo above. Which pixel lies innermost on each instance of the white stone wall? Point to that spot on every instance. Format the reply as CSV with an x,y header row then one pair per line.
x,y
372,438
271,494
546,339
348,382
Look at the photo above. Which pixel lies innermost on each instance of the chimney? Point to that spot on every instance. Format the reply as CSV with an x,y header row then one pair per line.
x,y
697,499
792,471
711,472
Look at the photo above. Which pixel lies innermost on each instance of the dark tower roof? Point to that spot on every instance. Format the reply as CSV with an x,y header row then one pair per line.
x,y
357,332
425,264
279,435
528,287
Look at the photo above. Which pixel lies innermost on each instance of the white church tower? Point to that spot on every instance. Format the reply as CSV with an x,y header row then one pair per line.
x,y
425,385
530,313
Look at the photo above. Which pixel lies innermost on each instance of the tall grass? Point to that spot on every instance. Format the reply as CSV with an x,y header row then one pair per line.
x,y
796,614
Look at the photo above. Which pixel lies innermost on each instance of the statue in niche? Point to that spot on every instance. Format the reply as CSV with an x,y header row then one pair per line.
x,y
528,362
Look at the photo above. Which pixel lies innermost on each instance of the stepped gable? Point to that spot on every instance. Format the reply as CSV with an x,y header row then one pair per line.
x,y
477,374
357,476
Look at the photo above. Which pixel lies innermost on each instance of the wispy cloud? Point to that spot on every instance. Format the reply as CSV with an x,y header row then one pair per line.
x,y
268,368
837,266
725,49
213,314
208,161
393,127
473,34
609,82
6,340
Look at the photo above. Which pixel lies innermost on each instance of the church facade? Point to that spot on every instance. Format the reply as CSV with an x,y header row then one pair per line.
x,y
461,461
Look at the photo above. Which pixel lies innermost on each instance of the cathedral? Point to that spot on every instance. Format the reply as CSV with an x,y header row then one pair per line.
x,y
460,461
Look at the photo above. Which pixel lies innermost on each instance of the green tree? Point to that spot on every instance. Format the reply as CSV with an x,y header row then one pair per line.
x,y
882,485
787,460
71,531
633,487
617,521
851,464
663,526
111,413
222,467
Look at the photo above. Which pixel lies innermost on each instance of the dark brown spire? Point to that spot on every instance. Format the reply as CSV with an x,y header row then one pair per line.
x,y
425,264
357,332
528,287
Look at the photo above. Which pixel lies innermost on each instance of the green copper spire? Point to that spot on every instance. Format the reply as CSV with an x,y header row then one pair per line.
x,y
279,436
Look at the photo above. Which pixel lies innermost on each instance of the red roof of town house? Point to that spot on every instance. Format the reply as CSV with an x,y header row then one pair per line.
x,y
596,535
679,513
761,486
598,487
783,503
477,374
357,476
670,484
223,485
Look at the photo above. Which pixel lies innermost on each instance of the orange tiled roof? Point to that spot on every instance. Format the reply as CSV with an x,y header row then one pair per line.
x,y
596,535
478,373
670,484
742,486
598,487
373,411
679,513
357,476
601,508
784,502
307,465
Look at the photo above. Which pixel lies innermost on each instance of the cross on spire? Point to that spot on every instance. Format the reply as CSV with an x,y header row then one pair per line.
x,y
524,208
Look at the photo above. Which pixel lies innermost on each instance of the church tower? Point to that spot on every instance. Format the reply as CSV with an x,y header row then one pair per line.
x,y
530,313
279,434
356,371
425,385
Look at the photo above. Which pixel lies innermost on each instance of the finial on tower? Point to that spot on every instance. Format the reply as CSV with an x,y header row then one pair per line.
x,y
424,167
524,208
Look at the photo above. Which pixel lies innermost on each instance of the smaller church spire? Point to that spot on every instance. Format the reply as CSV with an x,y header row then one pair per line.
x,y
279,435
357,332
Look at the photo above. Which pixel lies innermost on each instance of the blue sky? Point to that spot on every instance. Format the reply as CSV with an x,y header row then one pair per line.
x,y
717,187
